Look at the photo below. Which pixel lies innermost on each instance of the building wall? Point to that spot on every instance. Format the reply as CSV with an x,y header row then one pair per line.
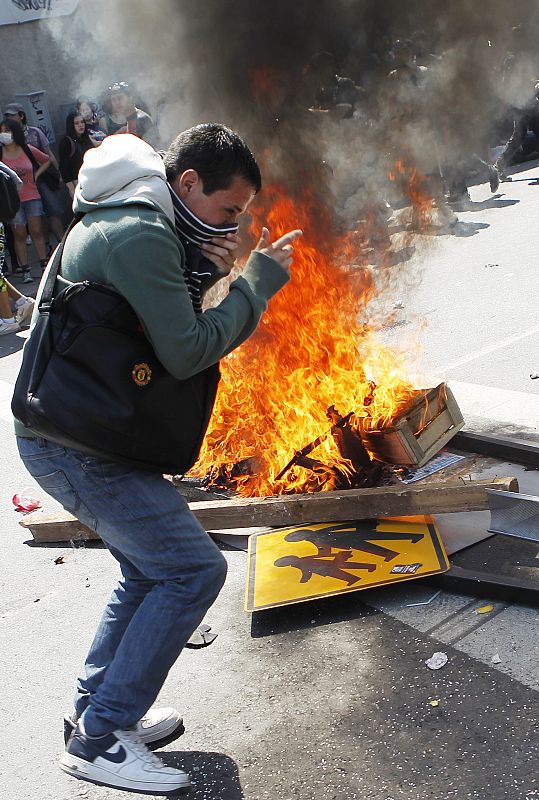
x,y
32,60
103,41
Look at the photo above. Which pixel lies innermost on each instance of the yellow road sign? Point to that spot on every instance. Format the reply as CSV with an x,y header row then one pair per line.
x,y
292,565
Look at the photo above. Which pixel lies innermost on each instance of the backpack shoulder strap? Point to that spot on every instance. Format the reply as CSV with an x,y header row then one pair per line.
x,y
48,289
31,157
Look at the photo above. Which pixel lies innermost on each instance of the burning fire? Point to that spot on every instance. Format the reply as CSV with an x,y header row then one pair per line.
x,y
412,183
266,86
312,351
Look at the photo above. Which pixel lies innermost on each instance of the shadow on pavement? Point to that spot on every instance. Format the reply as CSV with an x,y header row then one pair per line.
x,y
214,776
92,544
354,712
304,616
10,344
492,202
524,166
468,228
458,229
402,255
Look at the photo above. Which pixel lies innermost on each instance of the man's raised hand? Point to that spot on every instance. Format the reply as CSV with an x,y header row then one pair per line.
x,y
281,250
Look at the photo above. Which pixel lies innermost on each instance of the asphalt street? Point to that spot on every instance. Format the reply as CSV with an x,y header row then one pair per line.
x,y
329,699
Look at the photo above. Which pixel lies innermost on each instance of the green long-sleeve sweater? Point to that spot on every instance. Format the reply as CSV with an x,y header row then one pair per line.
x,y
133,248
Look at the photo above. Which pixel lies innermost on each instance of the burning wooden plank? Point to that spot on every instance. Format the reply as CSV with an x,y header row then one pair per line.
x,y
351,504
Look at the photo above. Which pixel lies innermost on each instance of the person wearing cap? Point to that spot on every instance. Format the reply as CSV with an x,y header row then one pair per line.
x,y
52,200
33,135
125,117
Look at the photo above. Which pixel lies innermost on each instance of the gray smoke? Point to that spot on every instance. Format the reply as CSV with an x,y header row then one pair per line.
x,y
259,67
195,61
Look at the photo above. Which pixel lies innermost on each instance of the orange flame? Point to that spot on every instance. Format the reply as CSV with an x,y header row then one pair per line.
x,y
412,183
311,351
265,85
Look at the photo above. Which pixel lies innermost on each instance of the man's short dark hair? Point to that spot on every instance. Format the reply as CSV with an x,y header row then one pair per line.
x,y
216,153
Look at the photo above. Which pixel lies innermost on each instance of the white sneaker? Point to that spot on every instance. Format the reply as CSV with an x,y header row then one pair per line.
x,y
157,728
25,311
27,276
122,761
8,327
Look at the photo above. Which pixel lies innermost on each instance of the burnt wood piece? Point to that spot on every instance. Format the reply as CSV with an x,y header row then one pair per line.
x,y
352,504
321,472
348,440
191,490
305,451
500,447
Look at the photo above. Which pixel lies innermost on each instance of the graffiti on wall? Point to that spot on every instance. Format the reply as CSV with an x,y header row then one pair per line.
x,y
18,11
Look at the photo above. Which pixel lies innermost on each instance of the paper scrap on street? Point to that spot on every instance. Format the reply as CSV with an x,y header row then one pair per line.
x,y
434,465
437,661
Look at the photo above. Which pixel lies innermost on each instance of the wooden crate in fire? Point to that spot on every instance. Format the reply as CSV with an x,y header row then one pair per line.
x,y
419,432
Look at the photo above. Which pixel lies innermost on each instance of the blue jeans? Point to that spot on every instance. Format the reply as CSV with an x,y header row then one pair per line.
x,y
171,570
29,208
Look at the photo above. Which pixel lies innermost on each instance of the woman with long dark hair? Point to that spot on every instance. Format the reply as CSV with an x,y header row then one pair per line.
x,y
72,149
92,117
29,163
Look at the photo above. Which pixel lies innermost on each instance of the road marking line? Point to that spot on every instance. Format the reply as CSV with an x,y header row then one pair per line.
x,y
485,351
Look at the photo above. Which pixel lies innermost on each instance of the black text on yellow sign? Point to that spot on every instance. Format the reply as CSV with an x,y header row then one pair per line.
x,y
292,565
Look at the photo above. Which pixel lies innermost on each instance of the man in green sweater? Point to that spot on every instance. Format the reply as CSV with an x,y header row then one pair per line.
x,y
159,231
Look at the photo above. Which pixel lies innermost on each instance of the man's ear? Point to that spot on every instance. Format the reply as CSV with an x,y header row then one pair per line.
x,y
186,182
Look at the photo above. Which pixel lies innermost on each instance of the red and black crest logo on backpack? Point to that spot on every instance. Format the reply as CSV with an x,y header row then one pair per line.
x,y
141,374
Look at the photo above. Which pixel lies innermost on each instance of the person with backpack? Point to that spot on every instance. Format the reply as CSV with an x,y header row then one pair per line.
x,y
11,319
49,183
29,163
73,147
150,235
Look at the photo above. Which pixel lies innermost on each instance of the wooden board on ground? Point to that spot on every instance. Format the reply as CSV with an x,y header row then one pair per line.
x,y
293,565
356,504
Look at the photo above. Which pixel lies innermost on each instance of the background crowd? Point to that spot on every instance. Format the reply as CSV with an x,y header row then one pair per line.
x,y
46,183
389,96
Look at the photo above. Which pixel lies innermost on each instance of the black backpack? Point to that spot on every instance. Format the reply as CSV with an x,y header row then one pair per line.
x,y
90,380
10,201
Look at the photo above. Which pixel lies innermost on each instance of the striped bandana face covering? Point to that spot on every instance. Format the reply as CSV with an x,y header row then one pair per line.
x,y
192,233
192,228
